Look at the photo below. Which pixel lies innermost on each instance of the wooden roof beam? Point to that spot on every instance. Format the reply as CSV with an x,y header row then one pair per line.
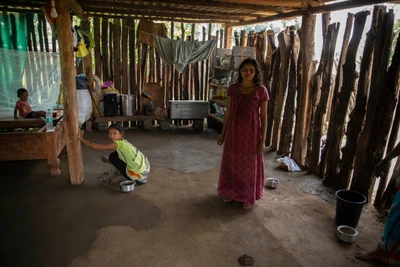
x,y
166,14
183,20
77,10
313,10
199,3
118,7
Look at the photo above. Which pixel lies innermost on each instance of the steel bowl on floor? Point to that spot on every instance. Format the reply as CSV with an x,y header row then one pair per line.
x,y
127,186
272,182
346,233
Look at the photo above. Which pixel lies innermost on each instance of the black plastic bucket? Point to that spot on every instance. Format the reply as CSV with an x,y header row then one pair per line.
x,y
349,205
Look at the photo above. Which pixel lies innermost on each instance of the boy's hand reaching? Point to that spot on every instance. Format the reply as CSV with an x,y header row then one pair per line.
x,y
80,134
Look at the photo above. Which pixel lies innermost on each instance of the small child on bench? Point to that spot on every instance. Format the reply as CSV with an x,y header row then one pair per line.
x,y
23,107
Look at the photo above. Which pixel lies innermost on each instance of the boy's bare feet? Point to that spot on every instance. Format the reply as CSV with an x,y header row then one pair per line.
x,y
373,255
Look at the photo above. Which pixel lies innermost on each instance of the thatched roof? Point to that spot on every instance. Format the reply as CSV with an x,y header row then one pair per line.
x,y
228,12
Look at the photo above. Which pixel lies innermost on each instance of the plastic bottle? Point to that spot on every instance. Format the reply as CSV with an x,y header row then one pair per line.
x,y
49,121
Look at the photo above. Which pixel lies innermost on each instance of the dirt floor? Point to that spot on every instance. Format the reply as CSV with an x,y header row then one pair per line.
x,y
176,219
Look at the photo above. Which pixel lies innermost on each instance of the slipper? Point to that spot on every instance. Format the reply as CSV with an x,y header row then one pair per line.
x,y
227,199
247,206
105,160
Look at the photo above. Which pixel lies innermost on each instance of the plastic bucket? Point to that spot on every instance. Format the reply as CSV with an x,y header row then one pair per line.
x,y
349,205
128,104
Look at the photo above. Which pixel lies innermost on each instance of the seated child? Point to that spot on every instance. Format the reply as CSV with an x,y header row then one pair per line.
x,y
126,158
24,108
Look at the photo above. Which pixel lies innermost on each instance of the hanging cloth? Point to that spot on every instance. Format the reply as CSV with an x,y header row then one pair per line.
x,y
147,30
180,53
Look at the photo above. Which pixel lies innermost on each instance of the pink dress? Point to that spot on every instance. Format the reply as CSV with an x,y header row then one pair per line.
x,y
241,176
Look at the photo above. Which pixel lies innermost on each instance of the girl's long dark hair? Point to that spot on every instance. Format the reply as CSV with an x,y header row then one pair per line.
x,y
256,79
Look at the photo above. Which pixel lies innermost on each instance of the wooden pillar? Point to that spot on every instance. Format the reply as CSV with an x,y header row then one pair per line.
x,y
87,61
125,56
97,53
304,109
228,37
65,42
117,54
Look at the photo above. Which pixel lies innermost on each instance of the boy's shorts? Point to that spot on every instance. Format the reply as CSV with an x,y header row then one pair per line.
x,y
29,115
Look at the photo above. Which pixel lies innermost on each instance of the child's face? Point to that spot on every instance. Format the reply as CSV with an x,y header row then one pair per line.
x,y
114,134
24,96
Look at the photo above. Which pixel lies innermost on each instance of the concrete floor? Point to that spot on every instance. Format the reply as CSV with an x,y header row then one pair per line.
x,y
176,219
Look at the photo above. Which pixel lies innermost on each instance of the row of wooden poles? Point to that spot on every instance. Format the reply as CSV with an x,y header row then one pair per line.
x,y
306,101
363,126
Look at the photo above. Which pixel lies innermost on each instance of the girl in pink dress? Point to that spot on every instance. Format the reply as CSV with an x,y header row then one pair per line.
x,y
241,175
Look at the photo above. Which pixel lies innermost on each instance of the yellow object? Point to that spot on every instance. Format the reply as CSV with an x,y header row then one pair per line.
x,y
82,50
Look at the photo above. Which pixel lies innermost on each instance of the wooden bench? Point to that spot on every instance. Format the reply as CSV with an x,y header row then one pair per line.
x,y
30,145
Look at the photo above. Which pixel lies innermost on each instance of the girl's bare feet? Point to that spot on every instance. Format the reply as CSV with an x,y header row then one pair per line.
x,y
373,255
247,206
227,199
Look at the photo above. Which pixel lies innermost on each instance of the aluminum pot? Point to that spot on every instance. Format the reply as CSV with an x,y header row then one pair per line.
x,y
272,182
127,186
346,233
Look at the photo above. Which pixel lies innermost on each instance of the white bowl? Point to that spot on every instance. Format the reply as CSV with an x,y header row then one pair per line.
x,y
346,233
127,186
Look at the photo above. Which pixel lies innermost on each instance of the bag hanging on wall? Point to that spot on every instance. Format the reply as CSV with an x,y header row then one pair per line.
x,y
82,50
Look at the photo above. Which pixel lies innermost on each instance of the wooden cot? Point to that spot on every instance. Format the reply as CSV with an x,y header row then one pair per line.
x,y
29,145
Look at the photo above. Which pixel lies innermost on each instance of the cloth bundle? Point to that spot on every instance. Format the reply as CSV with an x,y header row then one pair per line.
x,y
180,53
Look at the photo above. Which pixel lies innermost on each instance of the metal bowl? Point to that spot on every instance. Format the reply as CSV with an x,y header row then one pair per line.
x,y
346,233
127,186
272,182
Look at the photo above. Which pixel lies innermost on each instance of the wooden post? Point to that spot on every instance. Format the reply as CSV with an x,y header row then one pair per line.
x,y
132,58
271,102
288,120
304,107
338,86
349,76
104,50
65,42
327,61
125,56
356,122
381,105
280,95
228,37
117,54
87,61
97,48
